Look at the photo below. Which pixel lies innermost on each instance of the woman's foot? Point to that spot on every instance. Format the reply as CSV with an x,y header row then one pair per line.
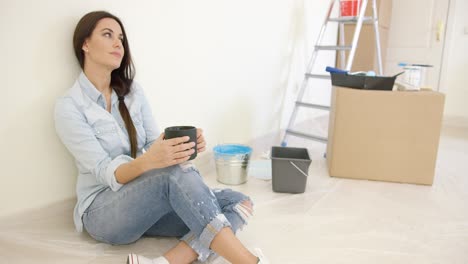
x,y
137,259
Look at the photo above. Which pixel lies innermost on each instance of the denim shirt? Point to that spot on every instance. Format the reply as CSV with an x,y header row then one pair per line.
x,y
97,139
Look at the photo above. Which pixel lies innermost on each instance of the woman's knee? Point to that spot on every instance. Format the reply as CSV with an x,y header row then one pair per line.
x,y
244,209
248,205
239,214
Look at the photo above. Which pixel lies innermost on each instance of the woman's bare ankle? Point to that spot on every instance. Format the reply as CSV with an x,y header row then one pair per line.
x,y
181,253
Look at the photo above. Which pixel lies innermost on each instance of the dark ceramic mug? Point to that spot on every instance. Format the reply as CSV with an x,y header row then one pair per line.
x,y
182,131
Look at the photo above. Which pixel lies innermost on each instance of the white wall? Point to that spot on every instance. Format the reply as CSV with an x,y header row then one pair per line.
x,y
221,65
455,73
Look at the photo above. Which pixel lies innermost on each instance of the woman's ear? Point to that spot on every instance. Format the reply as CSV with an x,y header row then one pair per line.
x,y
85,46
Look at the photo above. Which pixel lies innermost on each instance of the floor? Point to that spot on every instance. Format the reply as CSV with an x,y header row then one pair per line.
x,y
334,221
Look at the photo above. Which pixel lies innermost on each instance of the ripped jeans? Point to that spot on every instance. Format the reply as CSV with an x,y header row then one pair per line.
x,y
172,202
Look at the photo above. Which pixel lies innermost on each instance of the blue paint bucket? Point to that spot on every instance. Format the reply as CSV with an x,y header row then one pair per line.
x,y
232,161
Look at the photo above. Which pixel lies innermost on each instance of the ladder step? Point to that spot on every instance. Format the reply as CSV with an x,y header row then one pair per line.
x,y
316,106
318,76
332,47
307,136
352,19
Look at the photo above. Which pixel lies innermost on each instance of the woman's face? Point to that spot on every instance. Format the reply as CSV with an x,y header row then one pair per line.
x,y
104,47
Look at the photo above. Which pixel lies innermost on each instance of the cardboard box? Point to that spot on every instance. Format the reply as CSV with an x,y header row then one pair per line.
x,y
365,58
384,13
384,135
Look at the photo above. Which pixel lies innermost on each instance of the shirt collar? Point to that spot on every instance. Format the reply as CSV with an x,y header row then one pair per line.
x,y
91,91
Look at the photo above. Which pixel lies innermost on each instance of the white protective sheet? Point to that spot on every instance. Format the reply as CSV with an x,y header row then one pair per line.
x,y
334,221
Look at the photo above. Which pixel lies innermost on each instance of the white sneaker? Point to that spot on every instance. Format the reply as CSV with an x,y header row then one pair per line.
x,y
260,256
137,259
213,259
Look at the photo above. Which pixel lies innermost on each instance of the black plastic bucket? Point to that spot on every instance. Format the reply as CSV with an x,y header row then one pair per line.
x,y
289,168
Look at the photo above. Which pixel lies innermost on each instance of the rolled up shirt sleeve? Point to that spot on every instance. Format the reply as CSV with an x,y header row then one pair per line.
x,y
79,138
112,166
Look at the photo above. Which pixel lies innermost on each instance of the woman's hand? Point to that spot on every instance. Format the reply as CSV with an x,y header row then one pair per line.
x,y
167,152
201,143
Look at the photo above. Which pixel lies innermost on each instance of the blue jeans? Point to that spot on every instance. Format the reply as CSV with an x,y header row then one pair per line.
x,y
173,202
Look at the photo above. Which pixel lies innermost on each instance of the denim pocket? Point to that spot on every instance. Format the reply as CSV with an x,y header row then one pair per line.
x,y
103,130
106,134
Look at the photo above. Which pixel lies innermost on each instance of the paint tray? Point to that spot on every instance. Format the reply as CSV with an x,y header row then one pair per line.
x,y
363,82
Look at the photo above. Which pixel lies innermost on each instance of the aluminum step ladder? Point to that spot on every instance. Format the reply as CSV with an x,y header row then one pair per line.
x,y
342,48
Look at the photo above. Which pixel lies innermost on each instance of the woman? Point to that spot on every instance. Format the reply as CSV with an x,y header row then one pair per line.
x,y
131,181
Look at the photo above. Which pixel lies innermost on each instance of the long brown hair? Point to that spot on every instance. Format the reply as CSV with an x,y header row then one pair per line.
x,y
121,78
